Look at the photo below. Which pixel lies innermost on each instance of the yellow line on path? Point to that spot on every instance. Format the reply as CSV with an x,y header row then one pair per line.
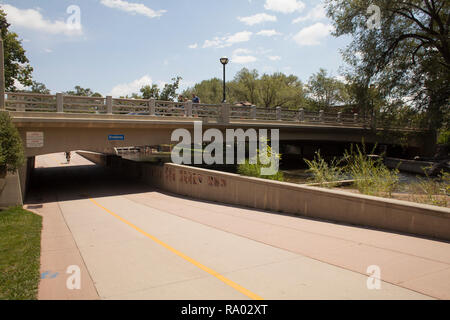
x,y
227,281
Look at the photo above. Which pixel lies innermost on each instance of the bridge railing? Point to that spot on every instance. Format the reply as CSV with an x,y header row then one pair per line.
x,y
27,102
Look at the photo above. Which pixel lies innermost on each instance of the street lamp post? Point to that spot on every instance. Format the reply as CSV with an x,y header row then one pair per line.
x,y
224,62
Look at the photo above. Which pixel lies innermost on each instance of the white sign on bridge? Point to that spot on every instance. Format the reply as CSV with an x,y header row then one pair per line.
x,y
35,139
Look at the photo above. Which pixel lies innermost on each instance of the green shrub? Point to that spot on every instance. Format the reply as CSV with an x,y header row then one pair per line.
x,y
11,150
322,172
371,176
254,169
444,137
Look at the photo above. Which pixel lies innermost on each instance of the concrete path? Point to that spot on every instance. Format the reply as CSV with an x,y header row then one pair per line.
x,y
133,242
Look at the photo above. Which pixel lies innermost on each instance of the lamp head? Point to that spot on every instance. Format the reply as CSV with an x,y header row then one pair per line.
x,y
224,60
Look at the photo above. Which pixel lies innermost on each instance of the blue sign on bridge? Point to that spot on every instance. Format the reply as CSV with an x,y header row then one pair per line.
x,y
116,137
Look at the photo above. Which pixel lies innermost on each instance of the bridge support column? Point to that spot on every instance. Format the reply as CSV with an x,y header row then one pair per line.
x,y
253,112
188,109
321,116
152,106
339,117
301,115
59,103
109,105
225,114
355,118
278,113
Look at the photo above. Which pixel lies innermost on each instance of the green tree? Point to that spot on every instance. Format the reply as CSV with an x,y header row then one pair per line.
x,y
245,86
279,90
38,87
169,92
17,67
82,92
149,92
407,57
325,91
209,91
11,150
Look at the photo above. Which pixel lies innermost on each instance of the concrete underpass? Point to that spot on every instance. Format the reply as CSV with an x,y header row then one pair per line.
x,y
132,241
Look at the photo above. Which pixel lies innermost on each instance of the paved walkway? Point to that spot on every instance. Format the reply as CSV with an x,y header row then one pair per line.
x,y
133,242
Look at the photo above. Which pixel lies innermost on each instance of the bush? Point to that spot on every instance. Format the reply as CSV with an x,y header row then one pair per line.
x,y
371,176
323,172
254,169
444,137
11,150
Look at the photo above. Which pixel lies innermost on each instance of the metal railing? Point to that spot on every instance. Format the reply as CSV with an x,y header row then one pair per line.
x,y
27,102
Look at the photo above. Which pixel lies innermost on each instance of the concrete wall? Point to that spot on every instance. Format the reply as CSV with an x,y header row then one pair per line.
x,y
10,191
313,202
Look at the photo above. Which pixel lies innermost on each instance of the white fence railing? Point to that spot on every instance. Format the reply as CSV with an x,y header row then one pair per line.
x,y
26,102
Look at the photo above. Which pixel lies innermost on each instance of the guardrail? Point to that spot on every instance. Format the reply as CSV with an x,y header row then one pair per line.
x,y
222,113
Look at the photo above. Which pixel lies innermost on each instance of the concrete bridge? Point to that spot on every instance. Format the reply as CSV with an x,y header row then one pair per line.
x,y
58,123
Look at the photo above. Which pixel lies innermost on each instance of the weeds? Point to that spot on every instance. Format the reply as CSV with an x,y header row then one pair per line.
x,y
324,173
371,176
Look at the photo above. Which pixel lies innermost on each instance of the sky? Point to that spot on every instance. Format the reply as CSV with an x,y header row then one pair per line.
x,y
117,46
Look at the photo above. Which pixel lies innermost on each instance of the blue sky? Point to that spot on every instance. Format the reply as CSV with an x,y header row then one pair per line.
x,y
119,45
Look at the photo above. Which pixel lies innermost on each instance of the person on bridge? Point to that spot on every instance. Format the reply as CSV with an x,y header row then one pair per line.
x,y
195,99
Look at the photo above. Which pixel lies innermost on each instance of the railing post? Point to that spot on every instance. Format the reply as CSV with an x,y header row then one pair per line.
x,y
253,112
301,115
339,117
225,113
109,105
188,109
278,113
152,106
59,103
321,116
355,118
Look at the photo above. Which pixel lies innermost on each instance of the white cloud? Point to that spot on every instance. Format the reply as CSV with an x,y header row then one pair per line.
x,y
257,18
315,14
229,40
133,8
242,56
284,6
48,50
18,85
268,33
193,46
33,19
274,58
312,35
125,89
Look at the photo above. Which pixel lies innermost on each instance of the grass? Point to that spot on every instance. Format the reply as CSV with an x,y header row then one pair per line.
x,y
20,248
431,191
371,176
324,172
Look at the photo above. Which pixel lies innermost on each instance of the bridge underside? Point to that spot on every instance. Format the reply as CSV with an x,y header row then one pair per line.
x,y
92,133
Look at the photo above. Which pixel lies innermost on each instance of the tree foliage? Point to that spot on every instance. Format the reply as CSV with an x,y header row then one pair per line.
x,y
11,150
82,92
407,57
17,67
265,90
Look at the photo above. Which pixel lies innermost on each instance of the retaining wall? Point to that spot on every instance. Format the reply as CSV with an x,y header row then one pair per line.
x,y
308,201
